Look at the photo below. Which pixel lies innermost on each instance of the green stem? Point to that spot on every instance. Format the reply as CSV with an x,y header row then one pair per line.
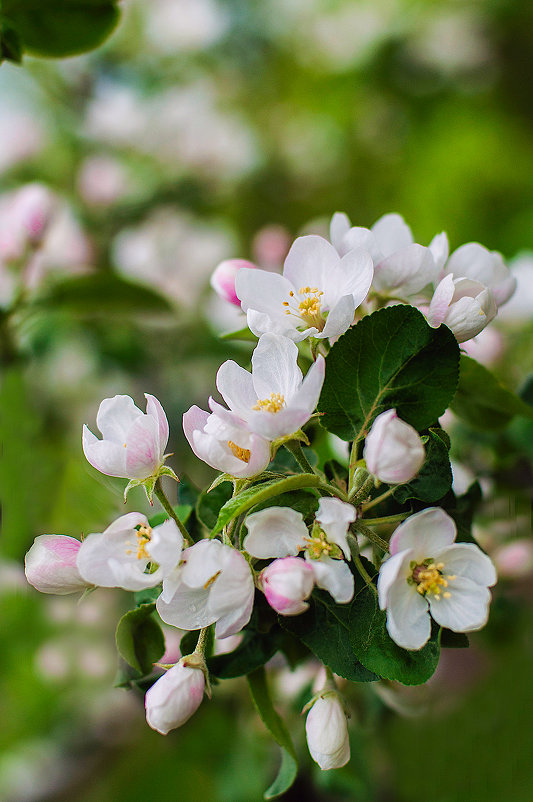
x,y
294,448
387,519
360,528
354,550
378,499
167,506
361,492
202,641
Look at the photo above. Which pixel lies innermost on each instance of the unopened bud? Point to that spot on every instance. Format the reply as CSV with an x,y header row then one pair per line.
x,y
223,278
393,452
286,583
327,732
173,699
50,565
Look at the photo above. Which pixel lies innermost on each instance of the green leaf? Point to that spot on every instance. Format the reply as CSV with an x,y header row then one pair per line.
x,y
390,359
183,511
482,401
254,651
453,640
462,509
147,596
140,639
328,639
259,493
434,479
257,682
59,28
10,43
209,503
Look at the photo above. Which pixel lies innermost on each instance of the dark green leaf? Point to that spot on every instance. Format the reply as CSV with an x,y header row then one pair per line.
x,y
482,401
257,682
462,509
453,640
434,479
209,504
390,359
59,28
10,43
140,639
254,651
526,391
147,596
304,502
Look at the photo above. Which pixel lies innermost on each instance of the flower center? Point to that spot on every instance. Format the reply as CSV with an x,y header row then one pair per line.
x,y
144,535
243,454
430,580
307,306
318,545
273,403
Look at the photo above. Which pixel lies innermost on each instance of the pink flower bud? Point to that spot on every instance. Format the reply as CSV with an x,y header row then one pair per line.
x,y
50,565
223,278
286,583
327,732
172,700
393,451
515,559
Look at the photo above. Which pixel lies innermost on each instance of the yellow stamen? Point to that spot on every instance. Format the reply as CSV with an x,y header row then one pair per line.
x,y
213,578
430,580
243,454
309,308
144,535
273,403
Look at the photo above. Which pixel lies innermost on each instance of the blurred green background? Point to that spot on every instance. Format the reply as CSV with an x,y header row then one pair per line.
x,y
203,130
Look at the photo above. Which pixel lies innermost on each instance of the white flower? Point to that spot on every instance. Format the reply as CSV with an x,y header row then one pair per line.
x,y
476,262
173,699
50,565
213,583
316,296
428,573
393,451
274,399
327,732
224,442
133,443
126,554
286,583
401,267
464,305
223,278
281,532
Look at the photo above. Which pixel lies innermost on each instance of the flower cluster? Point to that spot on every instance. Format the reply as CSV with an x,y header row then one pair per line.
x,y
272,549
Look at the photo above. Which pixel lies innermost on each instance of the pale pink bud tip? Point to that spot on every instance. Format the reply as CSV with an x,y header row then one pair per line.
x,y
50,565
393,452
223,278
286,583
173,699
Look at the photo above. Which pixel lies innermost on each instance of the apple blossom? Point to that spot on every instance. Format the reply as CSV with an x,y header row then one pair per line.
x,y
474,261
401,267
213,583
50,565
133,443
462,304
327,732
223,278
316,296
173,699
224,442
130,554
286,583
428,574
281,532
274,399
393,451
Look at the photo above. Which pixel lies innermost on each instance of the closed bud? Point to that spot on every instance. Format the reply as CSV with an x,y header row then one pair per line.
x,y
50,565
464,305
327,732
223,278
393,452
286,583
173,699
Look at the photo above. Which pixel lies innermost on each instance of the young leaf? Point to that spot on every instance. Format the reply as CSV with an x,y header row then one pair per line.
x,y
434,479
209,503
257,682
140,639
482,401
390,359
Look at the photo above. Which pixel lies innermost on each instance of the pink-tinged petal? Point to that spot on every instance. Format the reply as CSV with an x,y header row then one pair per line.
x,y
357,238
474,261
187,609
335,577
225,418
263,291
285,325
393,451
165,545
338,227
125,522
427,532
50,565
236,387
504,290
408,621
143,456
467,560
465,610
115,417
201,562
392,233
440,303
234,620
335,516
440,249
306,397
352,276
155,410
193,420
223,278
286,584
173,699
339,319
467,317
275,532
406,271
105,456
271,426
310,262
395,569
275,367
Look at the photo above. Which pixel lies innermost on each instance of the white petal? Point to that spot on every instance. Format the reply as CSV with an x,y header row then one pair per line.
x,y
406,271
279,424
440,303
339,319
427,533
201,562
165,545
392,233
143,455
408,621
466,609
352,276
440,249
340,224
396,568
275,532
263,291
310,261
107,457
335,517
236,387
467,560
275,367
115,416
187,609
154,408
308,394
335,577
358,237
